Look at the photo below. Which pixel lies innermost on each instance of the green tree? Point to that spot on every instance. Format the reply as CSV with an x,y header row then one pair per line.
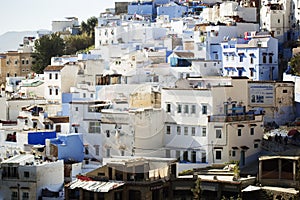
x,y
75,43
295,64
89,27
46,47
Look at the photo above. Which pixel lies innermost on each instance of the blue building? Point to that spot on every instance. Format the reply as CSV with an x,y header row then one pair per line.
x,y
255,58
144,9
173,10
38,138
68,147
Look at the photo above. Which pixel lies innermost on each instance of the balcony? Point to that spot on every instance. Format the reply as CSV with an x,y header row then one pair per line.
x,y
231,118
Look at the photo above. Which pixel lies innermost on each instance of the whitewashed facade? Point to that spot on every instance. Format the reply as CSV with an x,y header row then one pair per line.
x,y
24,177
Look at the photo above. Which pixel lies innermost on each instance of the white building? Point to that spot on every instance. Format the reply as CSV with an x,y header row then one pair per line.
x,y
65,25
58,80
192,132
207,38
256,57
127,32
24,177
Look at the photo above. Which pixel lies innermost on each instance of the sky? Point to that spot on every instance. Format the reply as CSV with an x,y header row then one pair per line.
x,y
33,15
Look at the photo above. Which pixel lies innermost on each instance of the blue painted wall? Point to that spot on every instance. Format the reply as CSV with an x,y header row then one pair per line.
x,y
172,11
70,147
141,9
35,138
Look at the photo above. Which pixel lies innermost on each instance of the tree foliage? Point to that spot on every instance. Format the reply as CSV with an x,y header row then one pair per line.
x,y
89,27
53,45
295,64
75,43
46,47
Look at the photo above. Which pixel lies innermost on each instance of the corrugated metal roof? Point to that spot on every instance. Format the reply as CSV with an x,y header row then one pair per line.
x,y
95,186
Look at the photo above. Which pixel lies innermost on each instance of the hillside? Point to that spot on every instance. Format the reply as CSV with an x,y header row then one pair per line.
x,y
10,41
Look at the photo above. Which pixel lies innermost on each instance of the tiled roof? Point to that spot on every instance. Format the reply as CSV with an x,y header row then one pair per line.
x,y
53,68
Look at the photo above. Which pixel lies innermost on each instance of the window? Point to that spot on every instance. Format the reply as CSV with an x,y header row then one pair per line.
x,y
25,195
218,133
27,62
168,153
278,21
178,155
264,59
203,157
58,128
50,76
107,133
193,131
193,156
239,132
270,59
26,174
97,150
168,130
233,153
204,109
241,58
186,130
251,72
86,150
218,155
94,127
23,62
84,95
204,132
108,152
193,109
251,60
122,153
185,155
56,75
252,131
50,91
16,62
76,109
178,130
232,57
92,95
255,145
14,195
56,91
179,108
168,107
186,108
284,91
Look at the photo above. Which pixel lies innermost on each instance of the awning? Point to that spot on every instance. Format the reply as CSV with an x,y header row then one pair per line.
x,y
230,69
293,132
241,69
244,147
95,186
251,188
